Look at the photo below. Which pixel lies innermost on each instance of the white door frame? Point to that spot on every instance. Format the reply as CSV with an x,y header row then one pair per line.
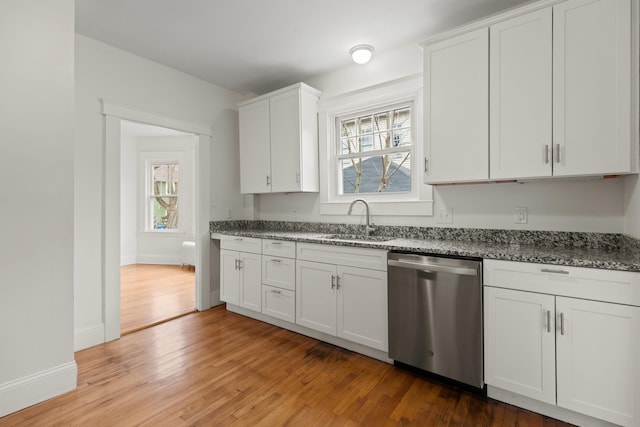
x,y
114,113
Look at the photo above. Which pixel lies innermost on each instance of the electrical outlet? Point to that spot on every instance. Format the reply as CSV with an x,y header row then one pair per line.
x,y
445,216
294,213
521,216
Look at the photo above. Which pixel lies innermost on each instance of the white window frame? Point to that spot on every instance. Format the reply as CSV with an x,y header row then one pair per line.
x,y
337,156
417,202
147,160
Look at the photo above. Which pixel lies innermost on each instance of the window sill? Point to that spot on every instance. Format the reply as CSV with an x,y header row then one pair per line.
x,y
407,208
164,232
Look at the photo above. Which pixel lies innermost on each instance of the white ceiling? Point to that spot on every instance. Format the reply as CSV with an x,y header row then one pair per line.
x,y
255,46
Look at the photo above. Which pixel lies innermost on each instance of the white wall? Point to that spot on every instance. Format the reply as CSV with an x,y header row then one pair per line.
x,y
632,206
581,205
36,230
103,71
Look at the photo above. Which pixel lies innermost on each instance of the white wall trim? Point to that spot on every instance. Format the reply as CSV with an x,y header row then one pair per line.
x,y
122,111
88,337
111,213
545,409
158,259
128,260
32,389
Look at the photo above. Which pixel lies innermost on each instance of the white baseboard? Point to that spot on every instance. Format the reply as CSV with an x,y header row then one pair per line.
x,y
545,409
127,259
88,337
215,298
159,259
27,391
340,342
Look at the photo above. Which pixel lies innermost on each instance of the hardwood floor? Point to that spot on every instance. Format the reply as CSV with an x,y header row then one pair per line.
x,y
218,368
150,294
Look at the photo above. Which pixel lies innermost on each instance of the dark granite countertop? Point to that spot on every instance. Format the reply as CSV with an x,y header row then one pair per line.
x,y
592,250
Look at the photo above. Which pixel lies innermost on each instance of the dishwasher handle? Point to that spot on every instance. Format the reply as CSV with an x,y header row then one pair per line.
x,y
433,268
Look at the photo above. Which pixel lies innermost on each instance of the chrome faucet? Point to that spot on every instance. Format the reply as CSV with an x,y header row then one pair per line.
x,y
369,227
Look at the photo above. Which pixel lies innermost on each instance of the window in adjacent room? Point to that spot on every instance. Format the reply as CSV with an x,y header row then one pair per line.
x,y
163,195
374,150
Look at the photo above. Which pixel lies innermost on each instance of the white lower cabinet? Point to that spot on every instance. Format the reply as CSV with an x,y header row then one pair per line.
x,y
279,303
240,272
343,300
598,358
563,348
240,279
279,279
519,343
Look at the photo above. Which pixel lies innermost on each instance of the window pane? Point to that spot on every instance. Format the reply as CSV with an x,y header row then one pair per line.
x,y
165,179
378,131
165,213
377,174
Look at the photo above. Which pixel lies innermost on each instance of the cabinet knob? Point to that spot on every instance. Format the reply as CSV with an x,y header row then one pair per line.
x,y
333,281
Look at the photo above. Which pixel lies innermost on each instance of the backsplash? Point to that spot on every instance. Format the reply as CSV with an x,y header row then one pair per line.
x,y
602,241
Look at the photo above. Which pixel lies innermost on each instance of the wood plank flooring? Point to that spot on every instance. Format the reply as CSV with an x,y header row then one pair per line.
x,y
217,368
150,294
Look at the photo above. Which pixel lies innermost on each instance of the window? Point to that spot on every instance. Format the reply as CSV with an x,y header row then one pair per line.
x,y
162,195
374,151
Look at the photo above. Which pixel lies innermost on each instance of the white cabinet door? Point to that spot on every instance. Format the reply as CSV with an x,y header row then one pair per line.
x,y
592,87
456,73
285,141
279,303
255,147
520,100
250,281
362,306
520,342
598,357
229,277
316,296
279,272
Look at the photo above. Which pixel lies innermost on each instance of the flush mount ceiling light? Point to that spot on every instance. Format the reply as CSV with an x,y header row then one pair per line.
x,y
361,54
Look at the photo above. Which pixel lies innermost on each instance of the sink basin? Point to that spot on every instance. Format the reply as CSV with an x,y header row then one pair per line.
x,y
358,237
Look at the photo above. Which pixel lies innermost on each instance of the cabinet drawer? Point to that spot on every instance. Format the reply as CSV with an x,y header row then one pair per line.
x,y
242,244
374,259
620,287
279,248
279,303
279,272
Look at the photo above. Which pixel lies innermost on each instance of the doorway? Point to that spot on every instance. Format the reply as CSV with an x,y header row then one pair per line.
x,y
157,220
115,114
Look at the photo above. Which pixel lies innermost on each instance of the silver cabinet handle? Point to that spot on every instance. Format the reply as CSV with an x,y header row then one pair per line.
x,y
236,263
549,270
338,282
546,154
276,260
426,165
238,239
268,180
275,291
297,177
549,321
276,243
239,264
561,323
557,156
333,281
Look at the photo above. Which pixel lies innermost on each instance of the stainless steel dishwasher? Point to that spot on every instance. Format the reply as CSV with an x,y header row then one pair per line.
x,y
435,315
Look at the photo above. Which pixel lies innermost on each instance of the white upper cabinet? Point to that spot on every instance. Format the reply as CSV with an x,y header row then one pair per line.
x,y
561,86
592,87
456,73
279,141
520,97
255,147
